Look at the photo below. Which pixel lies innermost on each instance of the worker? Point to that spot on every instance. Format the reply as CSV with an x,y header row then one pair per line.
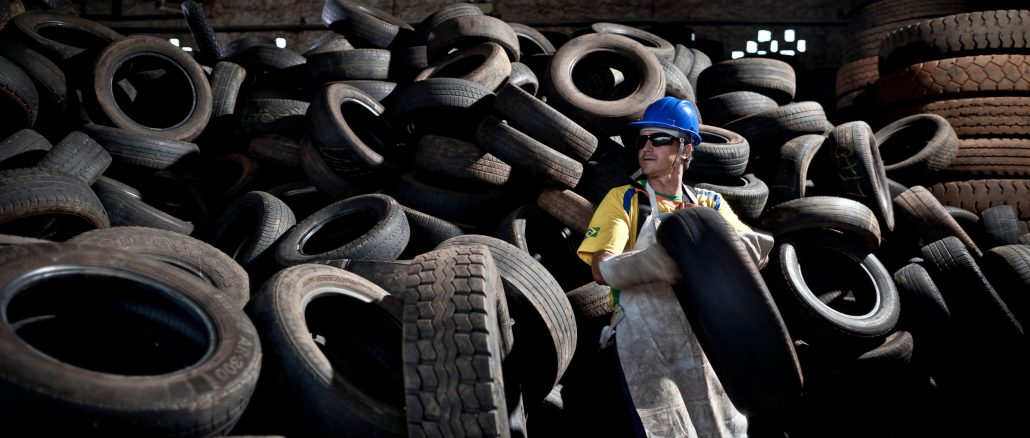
x,y
670,382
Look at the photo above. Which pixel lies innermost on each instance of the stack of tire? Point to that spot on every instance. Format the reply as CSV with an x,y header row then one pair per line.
x,y
970,70
750,119
956,59
377,236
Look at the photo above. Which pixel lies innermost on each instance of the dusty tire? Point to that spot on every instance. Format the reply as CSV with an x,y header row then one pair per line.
x,y
698,238
181,114
212,350
183,252
611,115
314,319
365,227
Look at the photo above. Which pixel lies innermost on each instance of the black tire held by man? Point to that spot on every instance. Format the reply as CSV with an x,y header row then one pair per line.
x,y
733,314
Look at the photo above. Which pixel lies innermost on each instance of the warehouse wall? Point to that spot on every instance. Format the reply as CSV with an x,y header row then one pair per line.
x,y
718,27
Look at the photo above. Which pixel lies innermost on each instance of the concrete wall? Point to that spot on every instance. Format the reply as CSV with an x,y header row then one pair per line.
x,y
716,26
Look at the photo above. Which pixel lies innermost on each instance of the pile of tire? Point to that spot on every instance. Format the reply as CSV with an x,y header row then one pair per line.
x,y
962,61
377,236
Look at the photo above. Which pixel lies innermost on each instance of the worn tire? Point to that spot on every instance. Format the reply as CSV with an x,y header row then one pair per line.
x,y
182,252
68,379
365,227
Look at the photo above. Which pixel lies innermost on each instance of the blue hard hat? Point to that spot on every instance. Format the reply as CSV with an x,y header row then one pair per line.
x,y
671,113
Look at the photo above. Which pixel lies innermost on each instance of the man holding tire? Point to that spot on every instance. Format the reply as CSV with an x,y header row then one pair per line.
x,y
672,387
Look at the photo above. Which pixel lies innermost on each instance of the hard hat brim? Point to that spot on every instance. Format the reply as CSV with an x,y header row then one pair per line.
x,y
695,138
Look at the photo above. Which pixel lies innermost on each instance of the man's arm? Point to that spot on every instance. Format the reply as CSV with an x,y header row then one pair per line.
x,y
595,265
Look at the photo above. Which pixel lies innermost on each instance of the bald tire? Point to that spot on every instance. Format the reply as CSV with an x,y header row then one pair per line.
x,y
125,207
866,43
272,116
451,157
528,155
451,349
915,147
656,44
38,203
540,121
885,12
828,324
926,218
859,172
760,370
543,317
330,42
524,77
683,59
302,305
250,227
850,217
1007,267
364,227
568,207
182,252
796,157
450,107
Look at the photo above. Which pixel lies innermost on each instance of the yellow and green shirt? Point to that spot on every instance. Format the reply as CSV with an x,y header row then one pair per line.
x,y
613,226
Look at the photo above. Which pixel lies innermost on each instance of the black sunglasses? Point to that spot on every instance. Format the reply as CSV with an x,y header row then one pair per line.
x,y
657,139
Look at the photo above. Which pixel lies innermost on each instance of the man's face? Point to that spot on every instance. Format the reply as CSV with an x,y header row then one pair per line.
x,y
660,160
